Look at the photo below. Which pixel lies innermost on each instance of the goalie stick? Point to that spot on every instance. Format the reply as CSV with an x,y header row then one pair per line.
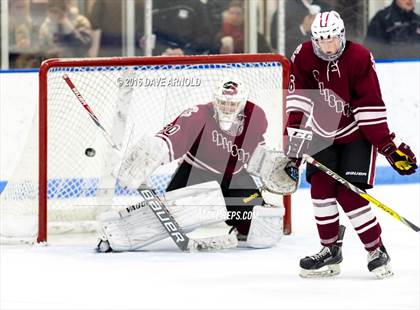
x,y
165,218
184,243
360,192
152,200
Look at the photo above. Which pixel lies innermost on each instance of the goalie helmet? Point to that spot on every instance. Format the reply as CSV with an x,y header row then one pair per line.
x,y
230,96
328,25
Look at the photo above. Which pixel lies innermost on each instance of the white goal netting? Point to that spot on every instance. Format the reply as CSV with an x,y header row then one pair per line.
x,y
130,101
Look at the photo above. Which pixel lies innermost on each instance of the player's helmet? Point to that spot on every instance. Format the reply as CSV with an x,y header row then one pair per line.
x,y
230,96
327,25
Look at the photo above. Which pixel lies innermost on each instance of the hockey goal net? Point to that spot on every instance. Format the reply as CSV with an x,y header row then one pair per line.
x,y
63,179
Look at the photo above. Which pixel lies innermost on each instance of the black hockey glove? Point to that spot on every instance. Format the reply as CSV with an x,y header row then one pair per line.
x,y
401,158
298,144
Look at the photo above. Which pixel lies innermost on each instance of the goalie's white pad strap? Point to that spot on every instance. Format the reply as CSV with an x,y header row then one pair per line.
x,y
214,243
270,166
147,154
266,227
272,198
192,207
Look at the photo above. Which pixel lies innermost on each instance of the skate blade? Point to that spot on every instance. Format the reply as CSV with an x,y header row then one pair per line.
x,y
383,272
330,271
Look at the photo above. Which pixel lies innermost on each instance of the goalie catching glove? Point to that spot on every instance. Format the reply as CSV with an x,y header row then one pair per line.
x,y
278,173
401,158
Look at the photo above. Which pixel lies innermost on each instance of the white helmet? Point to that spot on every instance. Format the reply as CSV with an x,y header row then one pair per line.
x,y
230,96
328,25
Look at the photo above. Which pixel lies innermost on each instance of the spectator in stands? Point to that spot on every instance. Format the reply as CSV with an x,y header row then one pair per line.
x,y
180,26
64,32
21,47
20,25
173,52
232,34
107,34
299,16
394,32
216,9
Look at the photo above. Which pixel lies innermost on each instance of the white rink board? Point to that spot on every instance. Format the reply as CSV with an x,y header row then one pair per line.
x,y
19,97
74,277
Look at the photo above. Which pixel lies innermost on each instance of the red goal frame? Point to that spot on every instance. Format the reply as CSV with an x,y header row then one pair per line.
x,y
133,61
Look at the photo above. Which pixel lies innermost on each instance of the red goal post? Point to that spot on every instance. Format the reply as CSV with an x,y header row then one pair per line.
x,y
69,181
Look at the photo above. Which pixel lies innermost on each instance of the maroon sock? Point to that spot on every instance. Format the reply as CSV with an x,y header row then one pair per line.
x,y
361,217
323,192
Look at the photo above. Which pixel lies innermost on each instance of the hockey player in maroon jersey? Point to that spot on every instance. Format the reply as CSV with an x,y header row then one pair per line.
x,y
336,113
215,142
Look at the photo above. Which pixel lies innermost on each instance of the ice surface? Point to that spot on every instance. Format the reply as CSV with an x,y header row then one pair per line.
x,y
71,276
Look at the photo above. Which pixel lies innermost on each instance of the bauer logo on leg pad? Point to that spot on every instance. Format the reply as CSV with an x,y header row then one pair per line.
x,y
163,215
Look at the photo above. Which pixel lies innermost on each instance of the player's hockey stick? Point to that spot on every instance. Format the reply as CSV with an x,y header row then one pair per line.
x,y
89,111
159,209
360,192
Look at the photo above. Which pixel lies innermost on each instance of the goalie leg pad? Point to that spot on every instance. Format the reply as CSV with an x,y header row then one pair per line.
x,y
266,227
272,199
137,226
214,243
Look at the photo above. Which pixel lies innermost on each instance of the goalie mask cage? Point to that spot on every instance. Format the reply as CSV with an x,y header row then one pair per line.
x,y
63,179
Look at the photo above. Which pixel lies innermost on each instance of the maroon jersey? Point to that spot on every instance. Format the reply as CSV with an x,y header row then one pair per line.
x,y
196,136
339,100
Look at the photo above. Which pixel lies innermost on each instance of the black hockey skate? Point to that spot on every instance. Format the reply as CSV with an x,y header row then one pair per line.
x,y
329,257
378,263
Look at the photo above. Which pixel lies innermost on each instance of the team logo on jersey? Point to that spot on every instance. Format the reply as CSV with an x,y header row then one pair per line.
x,y
230,147
230,88
333,100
